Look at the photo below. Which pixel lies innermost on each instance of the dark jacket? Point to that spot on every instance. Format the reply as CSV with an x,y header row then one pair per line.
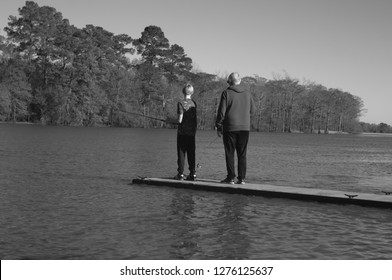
x,y
188,125
235,108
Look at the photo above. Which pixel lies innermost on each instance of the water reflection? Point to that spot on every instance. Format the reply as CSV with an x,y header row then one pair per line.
x,y
232,234
64,193
184,243
208,226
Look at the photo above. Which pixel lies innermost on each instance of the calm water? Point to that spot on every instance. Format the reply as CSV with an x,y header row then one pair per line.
x,y
65,194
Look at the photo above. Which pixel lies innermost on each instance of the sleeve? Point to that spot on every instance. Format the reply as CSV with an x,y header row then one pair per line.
x,y
180,109
221,111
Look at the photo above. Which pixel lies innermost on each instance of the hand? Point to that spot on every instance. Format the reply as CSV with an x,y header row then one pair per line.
x,y
219,133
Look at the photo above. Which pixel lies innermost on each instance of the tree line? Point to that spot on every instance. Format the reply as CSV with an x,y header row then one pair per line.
x,y
376,128
52,72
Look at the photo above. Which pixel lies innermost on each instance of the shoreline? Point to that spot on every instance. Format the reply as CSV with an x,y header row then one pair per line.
x,y
293,132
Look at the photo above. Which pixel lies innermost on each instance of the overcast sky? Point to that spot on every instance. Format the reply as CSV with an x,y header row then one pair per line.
x,y
344,44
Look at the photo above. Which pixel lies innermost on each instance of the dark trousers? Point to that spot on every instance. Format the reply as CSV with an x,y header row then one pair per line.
x,y
186,147
236,141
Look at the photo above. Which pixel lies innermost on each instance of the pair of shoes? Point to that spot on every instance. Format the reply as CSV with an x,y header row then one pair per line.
x,y
241,182
179,176
227,181
191,177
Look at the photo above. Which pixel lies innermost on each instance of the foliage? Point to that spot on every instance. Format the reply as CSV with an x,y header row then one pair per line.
x,y
55,73
376,128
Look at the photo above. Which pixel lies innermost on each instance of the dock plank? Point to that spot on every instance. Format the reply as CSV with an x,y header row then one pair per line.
x,y
310,194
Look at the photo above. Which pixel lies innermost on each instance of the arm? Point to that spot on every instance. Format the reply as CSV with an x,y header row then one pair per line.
x,y
180,115
179,119
221,113
180,112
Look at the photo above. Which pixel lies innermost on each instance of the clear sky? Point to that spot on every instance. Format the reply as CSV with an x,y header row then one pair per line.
x,y
344,44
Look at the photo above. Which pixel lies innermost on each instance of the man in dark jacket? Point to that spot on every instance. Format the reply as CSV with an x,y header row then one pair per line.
x,y
233,121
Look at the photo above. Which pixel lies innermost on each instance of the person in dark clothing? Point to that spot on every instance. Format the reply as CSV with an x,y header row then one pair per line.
x,y
233,121
186,134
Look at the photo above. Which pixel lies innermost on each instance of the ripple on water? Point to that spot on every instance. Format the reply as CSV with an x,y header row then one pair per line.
x,y
65,195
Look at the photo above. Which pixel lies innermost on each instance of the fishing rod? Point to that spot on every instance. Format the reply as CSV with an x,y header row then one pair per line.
x,y
198,166
145,116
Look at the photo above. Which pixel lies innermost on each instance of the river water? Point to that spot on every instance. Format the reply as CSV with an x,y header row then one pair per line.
x,y
66,193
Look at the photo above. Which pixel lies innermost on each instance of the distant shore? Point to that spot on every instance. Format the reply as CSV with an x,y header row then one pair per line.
x,y
375,134
293,132
8,122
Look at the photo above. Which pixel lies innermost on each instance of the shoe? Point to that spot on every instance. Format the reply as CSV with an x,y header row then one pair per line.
x,y
228,181
179,176
191,177
241,182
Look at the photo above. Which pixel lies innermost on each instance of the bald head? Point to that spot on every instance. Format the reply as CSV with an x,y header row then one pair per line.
x,y
234,79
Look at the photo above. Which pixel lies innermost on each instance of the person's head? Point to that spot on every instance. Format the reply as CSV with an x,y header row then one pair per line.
x,y
234,79
187,90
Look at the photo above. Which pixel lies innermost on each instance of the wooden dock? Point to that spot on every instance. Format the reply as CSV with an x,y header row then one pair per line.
x,y
383,199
